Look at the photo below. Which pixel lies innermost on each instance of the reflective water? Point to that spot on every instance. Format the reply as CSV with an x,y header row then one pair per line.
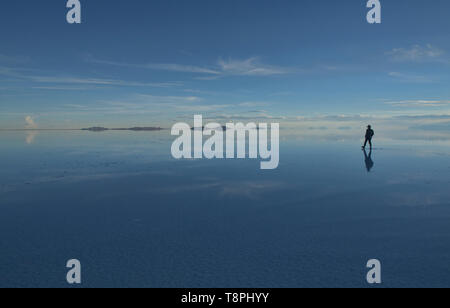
x,y
135,217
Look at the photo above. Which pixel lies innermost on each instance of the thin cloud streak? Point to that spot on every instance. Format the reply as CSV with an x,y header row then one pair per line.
x,y
419,103
98,82
55,80
250,67
416,53
231,67
154,66
409,78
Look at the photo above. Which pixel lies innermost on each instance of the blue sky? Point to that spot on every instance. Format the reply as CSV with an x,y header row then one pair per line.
x,y
156,62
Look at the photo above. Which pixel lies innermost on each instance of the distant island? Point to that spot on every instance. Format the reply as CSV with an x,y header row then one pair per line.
x,y
203,128
136,129
224,128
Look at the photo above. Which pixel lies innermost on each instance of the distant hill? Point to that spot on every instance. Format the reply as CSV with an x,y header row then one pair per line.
x,y
95,129
139,128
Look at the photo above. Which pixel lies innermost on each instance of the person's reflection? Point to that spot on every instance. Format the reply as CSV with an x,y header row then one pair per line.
x,y
368,160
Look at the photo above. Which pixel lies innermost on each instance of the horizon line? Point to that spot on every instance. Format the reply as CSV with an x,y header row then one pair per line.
x,y
74,129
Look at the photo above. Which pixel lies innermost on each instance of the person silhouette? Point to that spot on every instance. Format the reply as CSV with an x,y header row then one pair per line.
x,y
368,160
369,135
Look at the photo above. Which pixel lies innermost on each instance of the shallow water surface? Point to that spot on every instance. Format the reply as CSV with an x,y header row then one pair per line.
x,y
135,217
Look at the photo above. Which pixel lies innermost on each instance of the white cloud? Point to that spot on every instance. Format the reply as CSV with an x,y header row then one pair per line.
x,y
181,68
419,103
30,124
97,82
250,67
155,66
231,67
409,78
70,80
416,53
